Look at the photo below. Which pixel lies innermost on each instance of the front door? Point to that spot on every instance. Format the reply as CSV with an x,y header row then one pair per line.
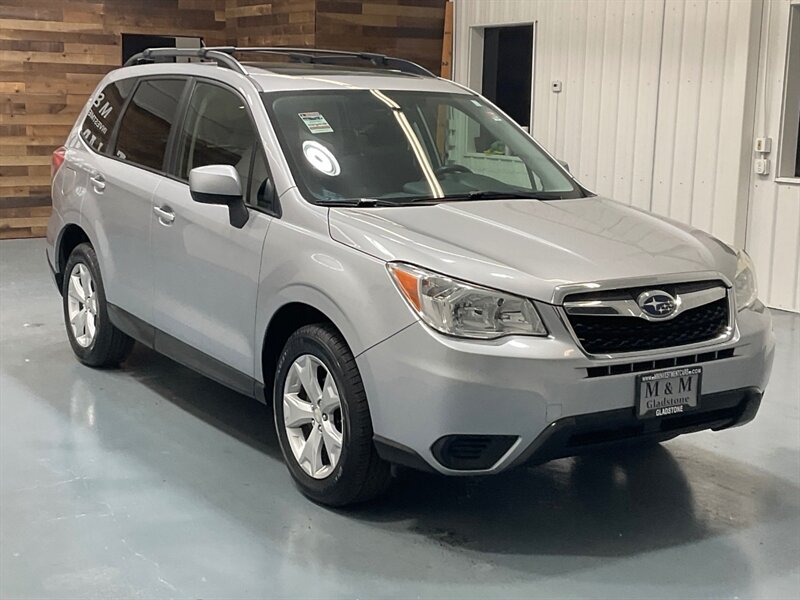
x,y
206,270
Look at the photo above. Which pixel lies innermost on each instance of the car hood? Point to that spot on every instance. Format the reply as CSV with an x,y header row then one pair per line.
x,y
530,247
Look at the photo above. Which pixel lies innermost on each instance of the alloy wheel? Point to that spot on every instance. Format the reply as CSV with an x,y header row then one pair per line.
x,y
82,305
312,414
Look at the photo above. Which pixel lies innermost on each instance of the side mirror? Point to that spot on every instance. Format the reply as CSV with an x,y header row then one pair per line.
x,y
219,184
564,164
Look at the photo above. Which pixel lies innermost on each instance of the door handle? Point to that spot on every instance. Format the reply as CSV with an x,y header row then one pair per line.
x,y
165,214
98,182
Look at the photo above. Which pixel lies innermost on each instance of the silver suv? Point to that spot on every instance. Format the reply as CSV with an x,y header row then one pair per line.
x,y
391,262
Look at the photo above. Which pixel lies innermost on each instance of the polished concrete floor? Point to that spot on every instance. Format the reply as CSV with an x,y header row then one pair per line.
x,y
153,482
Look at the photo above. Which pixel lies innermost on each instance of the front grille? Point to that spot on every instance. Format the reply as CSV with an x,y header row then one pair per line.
x,y
613,334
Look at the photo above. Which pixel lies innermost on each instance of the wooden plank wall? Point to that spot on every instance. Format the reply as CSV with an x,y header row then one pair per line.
x,y
276,23
446,68
408,28
53,53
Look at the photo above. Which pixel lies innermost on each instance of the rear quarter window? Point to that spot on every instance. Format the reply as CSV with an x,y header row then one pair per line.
x,y
103,114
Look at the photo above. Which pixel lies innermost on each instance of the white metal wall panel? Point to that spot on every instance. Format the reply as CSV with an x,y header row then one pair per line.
x,y
708,70
606,53
773,232
657,110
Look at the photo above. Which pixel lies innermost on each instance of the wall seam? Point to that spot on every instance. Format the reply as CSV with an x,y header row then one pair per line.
x,y
633,171
681,56
600,102
719,125
613,181
700,85
658,103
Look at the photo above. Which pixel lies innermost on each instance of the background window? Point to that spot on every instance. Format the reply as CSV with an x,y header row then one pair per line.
x,y
217,131
144,130
790,127
104,112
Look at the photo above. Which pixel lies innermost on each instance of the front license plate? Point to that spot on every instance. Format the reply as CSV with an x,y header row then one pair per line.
x,y
669,392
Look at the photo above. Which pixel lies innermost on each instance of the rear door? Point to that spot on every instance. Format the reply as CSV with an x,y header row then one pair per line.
x,y
121,180
206,270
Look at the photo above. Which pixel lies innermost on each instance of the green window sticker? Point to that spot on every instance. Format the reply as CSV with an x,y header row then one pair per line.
x,y
315,122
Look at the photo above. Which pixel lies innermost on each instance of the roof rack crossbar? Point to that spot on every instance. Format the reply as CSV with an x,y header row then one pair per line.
x,y
223,56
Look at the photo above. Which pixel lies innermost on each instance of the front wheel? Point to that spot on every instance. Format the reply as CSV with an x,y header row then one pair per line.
x,y
323,421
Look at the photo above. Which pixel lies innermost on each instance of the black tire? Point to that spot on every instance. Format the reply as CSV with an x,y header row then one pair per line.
x,y
360,474
110,346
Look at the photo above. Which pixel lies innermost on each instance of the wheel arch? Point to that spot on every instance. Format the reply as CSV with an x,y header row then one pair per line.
x,y
285,320
71,235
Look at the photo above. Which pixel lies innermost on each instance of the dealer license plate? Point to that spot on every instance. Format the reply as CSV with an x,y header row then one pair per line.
x,y
667,393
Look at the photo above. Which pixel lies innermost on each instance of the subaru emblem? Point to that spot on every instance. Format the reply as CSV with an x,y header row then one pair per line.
x,y
657,304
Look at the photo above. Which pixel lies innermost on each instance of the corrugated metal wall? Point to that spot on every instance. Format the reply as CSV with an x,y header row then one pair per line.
x,y
657,102
773,229
606,53
705,105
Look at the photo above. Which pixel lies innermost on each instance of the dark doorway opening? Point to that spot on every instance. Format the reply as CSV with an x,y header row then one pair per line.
x,y
133,43
507,69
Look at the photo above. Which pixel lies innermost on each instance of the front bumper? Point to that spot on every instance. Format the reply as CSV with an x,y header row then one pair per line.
x,y
527,398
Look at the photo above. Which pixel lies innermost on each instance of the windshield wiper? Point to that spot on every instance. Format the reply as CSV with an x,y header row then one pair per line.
x,y
426,200
495,195
487,195
358,202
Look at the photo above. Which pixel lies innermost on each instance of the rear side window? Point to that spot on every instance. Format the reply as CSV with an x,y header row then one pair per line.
x,y
103,113
145,126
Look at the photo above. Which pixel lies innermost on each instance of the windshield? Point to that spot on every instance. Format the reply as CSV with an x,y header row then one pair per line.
x,y
399,147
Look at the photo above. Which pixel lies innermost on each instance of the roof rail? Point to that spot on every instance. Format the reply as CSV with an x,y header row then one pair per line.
x,y
223,56
322,56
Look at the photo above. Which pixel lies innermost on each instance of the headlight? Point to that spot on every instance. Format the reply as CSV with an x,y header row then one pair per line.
x,y
462,309
745,282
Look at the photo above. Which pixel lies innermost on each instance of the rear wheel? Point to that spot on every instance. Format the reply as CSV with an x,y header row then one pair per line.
x,y
323,420
94,339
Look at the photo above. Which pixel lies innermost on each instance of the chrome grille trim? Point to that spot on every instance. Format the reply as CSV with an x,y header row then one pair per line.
x,y
730,336
560,292
630,308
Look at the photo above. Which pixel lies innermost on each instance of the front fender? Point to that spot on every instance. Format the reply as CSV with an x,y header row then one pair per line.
x,y
350,288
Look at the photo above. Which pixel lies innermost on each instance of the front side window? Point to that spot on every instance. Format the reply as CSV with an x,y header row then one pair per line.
x,y
404,146
218,131
103,113
144,130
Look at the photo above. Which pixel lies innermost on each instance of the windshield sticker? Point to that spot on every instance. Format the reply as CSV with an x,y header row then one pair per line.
x,y
319,157
315,122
